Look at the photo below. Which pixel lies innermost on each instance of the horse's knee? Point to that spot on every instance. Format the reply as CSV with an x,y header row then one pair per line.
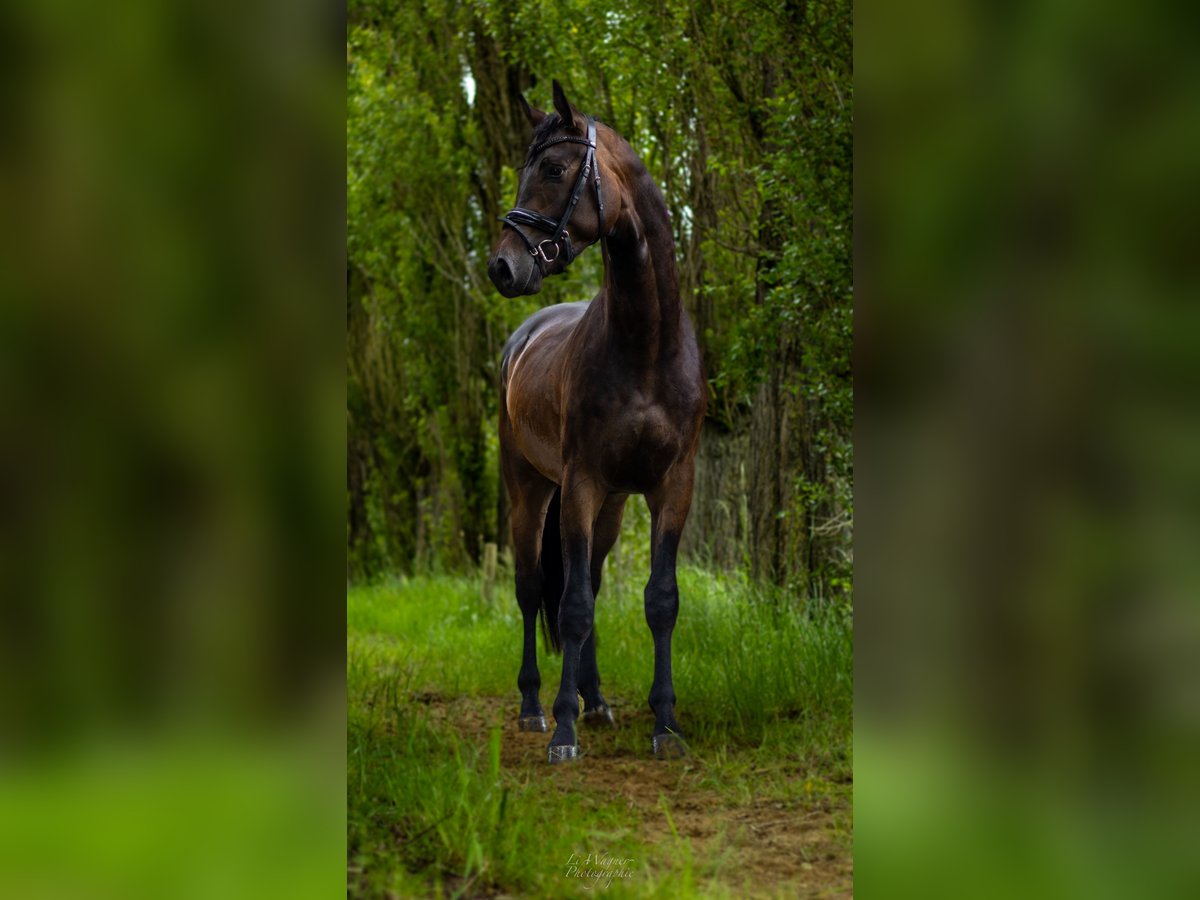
x,y
662,606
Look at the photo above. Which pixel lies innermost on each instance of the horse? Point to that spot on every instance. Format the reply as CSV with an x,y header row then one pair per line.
x,y
598,400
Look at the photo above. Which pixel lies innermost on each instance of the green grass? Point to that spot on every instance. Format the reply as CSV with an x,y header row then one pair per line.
x,y
764,693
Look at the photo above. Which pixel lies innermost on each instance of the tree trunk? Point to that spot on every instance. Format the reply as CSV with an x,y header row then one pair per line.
x,y
504,133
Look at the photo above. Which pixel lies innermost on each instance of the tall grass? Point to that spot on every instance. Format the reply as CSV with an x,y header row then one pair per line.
x,y
753,675
742,659
430,813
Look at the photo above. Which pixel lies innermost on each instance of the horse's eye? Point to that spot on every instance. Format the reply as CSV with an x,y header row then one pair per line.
x,y
554,171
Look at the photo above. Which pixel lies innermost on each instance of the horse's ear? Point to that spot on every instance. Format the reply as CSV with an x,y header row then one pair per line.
x,y
565,110
534,116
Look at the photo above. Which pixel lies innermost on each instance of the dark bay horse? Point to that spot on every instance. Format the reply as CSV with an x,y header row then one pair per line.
x,y
598,401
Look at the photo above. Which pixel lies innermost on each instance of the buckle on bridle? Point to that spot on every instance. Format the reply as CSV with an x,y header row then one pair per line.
x,y
540,249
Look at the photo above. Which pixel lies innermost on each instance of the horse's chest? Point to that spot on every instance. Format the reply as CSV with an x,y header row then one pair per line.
x,y
633,439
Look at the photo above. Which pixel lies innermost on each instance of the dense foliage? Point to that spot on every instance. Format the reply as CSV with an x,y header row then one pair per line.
x,y
742,112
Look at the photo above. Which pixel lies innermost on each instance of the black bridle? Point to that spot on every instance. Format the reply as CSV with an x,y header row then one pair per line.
x,y
558,230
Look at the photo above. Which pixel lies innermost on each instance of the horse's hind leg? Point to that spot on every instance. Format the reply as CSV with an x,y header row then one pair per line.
x,y
530,494
608,526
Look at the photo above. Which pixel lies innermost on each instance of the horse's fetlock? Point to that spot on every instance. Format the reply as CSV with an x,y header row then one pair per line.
x,y
661,700
529,681
566,711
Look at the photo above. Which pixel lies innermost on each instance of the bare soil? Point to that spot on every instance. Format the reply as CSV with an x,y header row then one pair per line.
x,y
766,847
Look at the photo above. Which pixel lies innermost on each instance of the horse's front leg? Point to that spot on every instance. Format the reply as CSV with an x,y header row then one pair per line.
x,y
581,501
669,505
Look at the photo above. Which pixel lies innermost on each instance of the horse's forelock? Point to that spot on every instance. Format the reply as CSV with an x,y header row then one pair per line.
x,y
543,133
545,128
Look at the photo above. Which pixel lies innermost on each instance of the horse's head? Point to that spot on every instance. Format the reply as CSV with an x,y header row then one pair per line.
x,y
561,208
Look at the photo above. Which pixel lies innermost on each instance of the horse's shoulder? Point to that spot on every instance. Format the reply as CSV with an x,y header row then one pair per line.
x,y
560,314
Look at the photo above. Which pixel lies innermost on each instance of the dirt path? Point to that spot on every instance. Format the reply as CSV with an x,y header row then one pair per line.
x,y
771,848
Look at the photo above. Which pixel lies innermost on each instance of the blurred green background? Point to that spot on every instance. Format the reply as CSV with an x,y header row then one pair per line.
x,y
1027,678
171,572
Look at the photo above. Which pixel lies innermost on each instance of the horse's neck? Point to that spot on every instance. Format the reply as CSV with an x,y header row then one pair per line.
x,y
641,286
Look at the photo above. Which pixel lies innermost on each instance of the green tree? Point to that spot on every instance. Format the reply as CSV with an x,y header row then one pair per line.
x,y
743,113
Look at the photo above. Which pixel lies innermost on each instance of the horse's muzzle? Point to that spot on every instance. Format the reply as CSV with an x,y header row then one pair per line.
x,y
514,273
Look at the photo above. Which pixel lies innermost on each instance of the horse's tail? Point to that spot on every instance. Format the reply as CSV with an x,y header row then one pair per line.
x,y
552,573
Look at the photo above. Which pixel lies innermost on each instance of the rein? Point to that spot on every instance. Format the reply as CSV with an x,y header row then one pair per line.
x,y
560,238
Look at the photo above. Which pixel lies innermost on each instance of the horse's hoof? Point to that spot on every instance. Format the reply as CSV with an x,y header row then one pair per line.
x,y
532,723
669,746
600,717
563,753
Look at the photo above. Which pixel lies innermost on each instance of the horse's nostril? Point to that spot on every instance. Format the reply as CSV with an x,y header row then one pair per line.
x,y
501,273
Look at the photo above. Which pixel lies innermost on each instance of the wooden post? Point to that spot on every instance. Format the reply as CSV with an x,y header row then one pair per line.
x,y
489,572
